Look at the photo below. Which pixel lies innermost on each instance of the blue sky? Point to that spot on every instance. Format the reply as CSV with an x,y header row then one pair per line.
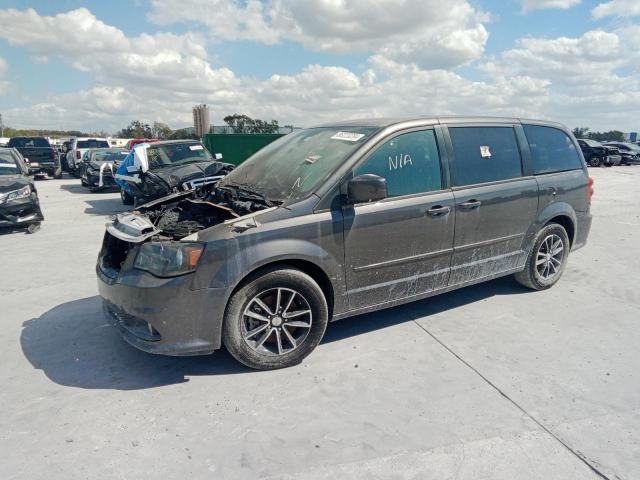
x,y
98,65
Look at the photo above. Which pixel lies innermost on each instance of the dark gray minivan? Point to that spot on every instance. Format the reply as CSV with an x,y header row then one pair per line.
x,y
341,219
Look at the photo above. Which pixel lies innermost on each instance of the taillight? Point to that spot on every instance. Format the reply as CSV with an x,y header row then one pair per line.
x,y
78,156
590,190
55,155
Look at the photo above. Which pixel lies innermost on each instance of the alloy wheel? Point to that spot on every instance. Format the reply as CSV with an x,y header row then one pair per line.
x,y
276,321
549,257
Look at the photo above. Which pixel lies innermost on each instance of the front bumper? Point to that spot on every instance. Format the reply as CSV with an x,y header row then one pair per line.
x,y
20,212
163,316
93,181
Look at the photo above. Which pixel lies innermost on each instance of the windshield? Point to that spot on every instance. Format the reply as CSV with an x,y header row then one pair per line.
x,y
113,155
29,142
173,154
8,165
93,143
294,165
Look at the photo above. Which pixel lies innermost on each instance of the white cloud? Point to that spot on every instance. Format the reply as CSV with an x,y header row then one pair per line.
x,y
580,81
163,60
4,84
618,8
419,31
528,5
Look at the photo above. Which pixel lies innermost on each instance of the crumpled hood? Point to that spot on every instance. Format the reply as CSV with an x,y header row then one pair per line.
x,y
179,174
9,183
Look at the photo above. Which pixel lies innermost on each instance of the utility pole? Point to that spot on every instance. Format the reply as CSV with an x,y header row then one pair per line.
x,y
1,126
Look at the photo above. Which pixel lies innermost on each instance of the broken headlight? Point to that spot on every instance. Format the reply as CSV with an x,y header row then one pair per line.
x,y
15,194
168,259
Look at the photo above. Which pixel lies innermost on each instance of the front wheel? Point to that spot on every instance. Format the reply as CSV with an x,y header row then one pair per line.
x,y
595,161
275,320
126,198
547,259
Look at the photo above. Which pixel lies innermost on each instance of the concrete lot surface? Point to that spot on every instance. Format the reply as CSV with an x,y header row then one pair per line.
x,y
489,382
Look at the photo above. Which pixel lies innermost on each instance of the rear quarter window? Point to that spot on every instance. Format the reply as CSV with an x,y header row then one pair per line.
x,y
552,150
484,154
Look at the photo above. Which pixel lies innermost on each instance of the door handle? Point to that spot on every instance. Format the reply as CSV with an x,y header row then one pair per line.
x,y
438,211
471,204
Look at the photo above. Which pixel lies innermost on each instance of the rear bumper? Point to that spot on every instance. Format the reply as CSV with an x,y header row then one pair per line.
x,y
583,227
44,167
163,316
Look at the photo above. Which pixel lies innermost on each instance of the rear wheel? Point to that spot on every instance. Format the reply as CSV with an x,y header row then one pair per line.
x,y
547,260
275,320
126,198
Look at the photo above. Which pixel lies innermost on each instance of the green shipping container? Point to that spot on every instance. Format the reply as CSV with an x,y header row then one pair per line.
x,y
237,147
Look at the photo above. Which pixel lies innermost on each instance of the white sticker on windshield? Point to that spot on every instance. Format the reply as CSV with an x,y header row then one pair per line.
x,y
348,136
196,147
485,151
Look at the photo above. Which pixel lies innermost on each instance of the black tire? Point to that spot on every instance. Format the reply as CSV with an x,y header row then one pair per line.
x,y
594,161
126,198
531,277
271,354
607,162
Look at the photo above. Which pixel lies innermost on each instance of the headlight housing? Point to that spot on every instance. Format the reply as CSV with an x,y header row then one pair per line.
x,y
168,259
15,194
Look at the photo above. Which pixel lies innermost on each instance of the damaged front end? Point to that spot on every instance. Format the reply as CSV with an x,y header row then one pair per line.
x,y
164,232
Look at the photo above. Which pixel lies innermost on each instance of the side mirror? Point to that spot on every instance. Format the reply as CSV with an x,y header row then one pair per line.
x,y
366,188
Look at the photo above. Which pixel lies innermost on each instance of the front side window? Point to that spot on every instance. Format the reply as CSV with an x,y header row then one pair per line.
x,y
551,150
484,154
409,162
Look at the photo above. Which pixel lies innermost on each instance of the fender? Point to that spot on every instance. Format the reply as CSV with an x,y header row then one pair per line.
x,y
555,209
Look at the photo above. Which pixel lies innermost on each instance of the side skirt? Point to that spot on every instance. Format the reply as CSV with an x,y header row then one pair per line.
x,y
421,296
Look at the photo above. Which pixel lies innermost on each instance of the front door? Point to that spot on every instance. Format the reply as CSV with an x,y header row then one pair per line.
x,y
495,204
401,246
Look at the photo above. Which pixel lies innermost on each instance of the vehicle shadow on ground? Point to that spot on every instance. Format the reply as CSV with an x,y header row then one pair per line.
x,y
74,188
106,206
74,345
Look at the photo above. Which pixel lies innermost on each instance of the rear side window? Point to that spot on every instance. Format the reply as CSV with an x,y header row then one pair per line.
x,y
29,142
92,144
409,162
484,154
551,150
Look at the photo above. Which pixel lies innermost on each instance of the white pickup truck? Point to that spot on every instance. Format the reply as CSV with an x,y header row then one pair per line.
x,y
77,147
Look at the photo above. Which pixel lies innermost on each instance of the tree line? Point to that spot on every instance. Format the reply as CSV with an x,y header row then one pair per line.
x,y
610,136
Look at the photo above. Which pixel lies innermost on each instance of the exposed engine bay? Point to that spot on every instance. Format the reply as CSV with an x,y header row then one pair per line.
x,y
181,214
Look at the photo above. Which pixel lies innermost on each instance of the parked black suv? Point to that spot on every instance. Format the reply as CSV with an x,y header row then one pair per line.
x,y
596,154
630,152
342,219
41,157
